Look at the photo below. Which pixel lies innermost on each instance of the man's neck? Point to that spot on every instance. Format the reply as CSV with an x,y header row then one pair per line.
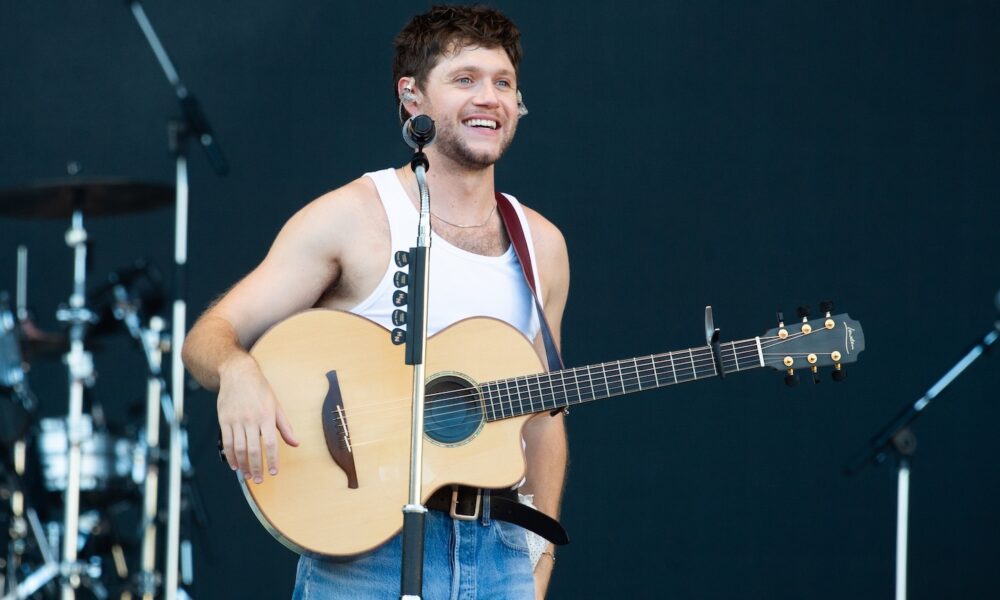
x,y
458,195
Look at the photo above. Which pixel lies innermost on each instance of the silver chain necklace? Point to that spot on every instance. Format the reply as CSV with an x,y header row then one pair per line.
x,y
447,222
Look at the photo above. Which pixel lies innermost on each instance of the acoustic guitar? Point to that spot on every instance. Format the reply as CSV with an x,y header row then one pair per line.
x,y
346,390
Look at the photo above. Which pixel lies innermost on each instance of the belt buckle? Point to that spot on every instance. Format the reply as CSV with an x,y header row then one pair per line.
x,y
454,505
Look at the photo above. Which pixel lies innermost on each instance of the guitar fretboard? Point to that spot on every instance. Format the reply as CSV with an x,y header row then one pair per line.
x,y
506,398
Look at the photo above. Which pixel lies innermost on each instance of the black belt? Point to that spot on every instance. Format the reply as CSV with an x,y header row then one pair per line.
x,y
466,504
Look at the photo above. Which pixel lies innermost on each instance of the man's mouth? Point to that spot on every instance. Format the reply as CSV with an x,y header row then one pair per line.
x,y
483,123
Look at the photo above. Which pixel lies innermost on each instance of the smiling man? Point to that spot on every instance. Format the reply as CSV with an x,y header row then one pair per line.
x,y
458,65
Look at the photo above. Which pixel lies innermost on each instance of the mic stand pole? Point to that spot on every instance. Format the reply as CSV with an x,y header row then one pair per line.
x,y
897,438
194,123
411,584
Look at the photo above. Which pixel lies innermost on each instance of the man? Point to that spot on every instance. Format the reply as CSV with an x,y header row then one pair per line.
x,y
459,66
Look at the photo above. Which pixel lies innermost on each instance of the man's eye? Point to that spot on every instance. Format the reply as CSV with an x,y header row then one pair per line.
x,y
464,80
503,83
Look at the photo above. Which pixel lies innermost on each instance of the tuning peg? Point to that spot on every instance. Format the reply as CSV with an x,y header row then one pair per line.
x,y
400,279
826,307
399,317
402,258
399,298
398,336
815,374
791,380
803,312
838,374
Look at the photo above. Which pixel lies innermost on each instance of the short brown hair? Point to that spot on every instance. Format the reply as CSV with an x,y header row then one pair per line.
x,y
427,37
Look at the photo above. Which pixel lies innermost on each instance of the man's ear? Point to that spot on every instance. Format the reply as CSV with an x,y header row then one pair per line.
x,y
409,98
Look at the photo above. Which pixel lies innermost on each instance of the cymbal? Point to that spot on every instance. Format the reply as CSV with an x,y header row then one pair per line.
x,y
59,198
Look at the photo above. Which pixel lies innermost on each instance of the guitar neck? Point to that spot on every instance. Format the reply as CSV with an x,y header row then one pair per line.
x,y
518,396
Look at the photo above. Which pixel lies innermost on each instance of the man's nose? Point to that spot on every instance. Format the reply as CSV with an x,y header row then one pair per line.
x,y
487,95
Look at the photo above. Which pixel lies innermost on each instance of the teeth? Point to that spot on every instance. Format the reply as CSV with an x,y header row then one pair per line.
x,y
481,123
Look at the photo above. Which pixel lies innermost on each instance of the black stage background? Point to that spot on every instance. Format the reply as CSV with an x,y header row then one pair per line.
x,y
752,156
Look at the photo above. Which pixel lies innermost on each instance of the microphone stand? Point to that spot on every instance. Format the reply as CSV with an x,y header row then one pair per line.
x,y
192,124
897,439
411,584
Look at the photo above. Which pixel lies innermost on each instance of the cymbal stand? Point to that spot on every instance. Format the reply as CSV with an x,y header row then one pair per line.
x,y
80,364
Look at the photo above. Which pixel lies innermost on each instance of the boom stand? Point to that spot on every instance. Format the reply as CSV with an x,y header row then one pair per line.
x,y
193,124
411,583
896,438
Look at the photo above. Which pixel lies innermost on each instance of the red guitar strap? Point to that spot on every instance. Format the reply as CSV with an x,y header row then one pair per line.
x,y
515,232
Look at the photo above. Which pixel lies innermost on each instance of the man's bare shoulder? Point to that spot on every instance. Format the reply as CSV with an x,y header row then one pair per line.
x,y
548,239
357,199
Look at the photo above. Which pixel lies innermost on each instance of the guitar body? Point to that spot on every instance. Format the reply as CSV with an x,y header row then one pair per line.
x,y
310,505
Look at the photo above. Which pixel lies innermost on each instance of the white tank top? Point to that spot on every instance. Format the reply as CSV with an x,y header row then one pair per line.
x,y
462,284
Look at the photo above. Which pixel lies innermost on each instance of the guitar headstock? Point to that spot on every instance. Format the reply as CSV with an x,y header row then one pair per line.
x,y
809,344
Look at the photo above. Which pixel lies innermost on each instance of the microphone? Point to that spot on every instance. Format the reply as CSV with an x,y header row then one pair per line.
x,y
418,132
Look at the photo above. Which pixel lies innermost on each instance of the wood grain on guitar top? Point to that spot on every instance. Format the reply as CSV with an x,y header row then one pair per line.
x,y
308,506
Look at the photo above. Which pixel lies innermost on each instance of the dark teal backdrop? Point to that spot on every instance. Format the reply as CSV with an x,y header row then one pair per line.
x,y
752,156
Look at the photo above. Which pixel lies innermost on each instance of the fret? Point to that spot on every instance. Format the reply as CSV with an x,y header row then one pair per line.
x,y
576,382
572,387
646,372
604,377
522,386
484,393
629,374
684,367
705,365
638,376
694,367
565,392
590,387
673,369
506,410
541,403
517,392
549,403
614,381
736,357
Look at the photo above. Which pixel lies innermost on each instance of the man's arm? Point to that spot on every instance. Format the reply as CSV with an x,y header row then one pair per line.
x,y
545,435
301,264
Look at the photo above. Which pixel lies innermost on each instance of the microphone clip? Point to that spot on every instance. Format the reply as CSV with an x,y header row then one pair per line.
x,y
419,160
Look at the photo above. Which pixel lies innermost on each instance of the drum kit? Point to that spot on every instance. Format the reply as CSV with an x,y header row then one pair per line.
x,y
80,505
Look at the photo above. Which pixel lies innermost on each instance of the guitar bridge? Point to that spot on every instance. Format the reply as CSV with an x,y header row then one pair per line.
x,y
336,430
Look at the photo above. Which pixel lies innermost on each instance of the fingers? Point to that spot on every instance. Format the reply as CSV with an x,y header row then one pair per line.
x,y
240,450
285,427
227,446
270,448
254,455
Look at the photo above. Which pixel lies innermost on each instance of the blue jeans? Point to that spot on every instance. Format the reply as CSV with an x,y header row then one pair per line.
x,y
463,560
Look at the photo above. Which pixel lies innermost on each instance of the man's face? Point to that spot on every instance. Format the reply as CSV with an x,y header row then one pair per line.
x,y
472,97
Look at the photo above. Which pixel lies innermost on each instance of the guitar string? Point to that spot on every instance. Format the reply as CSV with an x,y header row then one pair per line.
x,y
509,404
443,418
703,353
704,357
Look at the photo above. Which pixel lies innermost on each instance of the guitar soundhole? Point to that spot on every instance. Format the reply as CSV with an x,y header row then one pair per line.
x,y
453,412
